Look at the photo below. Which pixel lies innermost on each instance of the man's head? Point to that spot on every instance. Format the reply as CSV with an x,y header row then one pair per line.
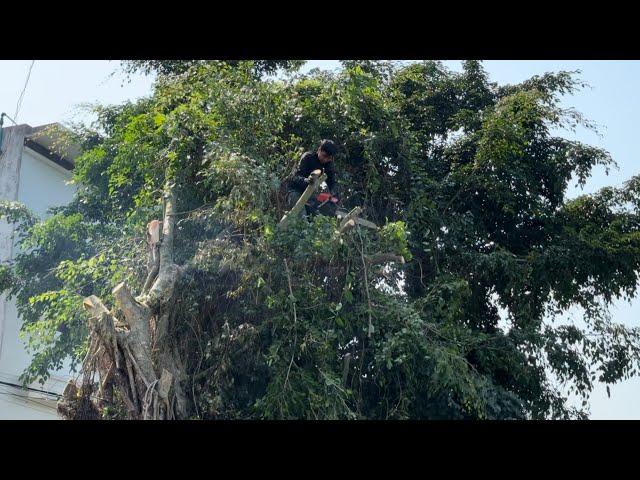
x,y
326,151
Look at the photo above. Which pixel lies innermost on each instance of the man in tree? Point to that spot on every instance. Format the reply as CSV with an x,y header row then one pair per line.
x,y
321,160
210,327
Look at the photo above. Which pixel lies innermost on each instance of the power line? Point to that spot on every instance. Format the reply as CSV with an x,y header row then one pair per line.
x,y
19,104
52,381
29,388
25,401
26,398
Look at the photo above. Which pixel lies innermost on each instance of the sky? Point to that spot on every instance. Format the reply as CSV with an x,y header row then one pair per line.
x,y
56,90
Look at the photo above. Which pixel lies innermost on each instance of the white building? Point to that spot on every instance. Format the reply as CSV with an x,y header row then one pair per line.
x,y
34,170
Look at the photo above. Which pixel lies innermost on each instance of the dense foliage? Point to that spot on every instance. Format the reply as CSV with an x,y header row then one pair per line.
x,y
468,184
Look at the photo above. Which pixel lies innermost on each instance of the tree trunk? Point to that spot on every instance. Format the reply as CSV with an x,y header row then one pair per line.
x,y
145,367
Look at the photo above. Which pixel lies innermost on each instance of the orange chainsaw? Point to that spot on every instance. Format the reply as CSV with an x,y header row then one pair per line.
x,y
323,204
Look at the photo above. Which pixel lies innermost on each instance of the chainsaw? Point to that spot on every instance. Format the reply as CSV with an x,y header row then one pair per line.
x,y
328,205
323,204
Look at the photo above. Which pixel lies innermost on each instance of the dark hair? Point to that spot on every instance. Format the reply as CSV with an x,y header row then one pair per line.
x,y
329,147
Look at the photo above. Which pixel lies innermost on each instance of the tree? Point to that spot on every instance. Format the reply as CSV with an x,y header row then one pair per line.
x,y
177,67
229,316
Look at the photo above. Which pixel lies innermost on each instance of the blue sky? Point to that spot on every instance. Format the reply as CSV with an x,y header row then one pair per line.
x,y
57,88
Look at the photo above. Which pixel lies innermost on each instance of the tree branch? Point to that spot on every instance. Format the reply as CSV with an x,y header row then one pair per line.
x,y
303,199
352,215
168,272
136,314
168,225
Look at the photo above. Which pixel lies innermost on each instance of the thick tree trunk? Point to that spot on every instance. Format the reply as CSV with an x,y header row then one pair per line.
x,y
145,367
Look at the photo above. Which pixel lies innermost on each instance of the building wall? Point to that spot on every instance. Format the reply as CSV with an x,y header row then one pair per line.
x,y
43,183
10,158
15,406
40,184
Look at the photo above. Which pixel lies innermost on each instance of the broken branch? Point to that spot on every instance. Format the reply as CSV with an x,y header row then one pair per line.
x,y
303,199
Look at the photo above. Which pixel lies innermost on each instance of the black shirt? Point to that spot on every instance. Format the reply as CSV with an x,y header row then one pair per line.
x,y
308,163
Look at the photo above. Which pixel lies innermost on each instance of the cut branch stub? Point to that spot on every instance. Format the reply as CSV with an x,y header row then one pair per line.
x,y
94,306
162,289
136,314
297,208
366,223
350,216
102,323
153,231
347,225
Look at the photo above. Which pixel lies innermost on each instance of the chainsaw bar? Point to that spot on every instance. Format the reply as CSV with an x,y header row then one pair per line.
x,y
360,221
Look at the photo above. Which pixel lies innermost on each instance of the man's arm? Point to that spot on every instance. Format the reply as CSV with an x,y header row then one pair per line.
x,y
299,180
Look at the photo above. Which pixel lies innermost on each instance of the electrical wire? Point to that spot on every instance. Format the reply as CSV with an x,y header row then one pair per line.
x,y
31,404
26,82
18,106
25,399
21,387
53,382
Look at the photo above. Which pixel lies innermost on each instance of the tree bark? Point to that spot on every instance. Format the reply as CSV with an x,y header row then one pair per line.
x,y
313,186
145,365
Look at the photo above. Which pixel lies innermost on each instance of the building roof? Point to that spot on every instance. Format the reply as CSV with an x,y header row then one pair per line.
x,y
53,140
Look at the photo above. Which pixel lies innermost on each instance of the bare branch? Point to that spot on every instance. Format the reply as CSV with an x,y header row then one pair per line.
x,y
345,368
297,208
136,314
168,225
350,216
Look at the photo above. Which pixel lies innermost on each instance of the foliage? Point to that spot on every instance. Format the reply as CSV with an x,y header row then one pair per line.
x,y
176,67
467,183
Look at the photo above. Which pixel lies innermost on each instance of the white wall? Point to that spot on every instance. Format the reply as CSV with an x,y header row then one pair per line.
x,y
15,405
41,185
